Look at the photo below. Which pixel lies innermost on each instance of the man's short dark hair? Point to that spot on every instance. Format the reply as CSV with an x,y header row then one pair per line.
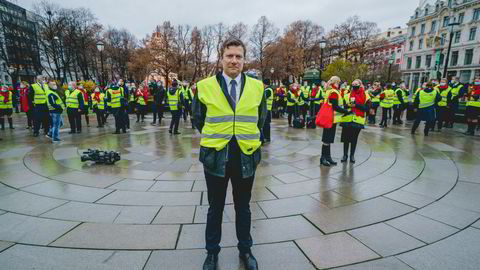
x,y
232,41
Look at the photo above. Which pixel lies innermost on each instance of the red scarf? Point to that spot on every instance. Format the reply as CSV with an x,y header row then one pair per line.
x,y
5,96
97,96
360,98
145,95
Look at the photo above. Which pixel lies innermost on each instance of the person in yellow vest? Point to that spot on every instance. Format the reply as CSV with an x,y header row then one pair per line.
x,y
374,94
317,97
473,107
304,97
175,101
359,102
229,110
425,102
39,101
6,106
141,103
56,107
399,105
98,104
386,102
75,106
442,109
334,98
266,127
452,100
291,103
115,99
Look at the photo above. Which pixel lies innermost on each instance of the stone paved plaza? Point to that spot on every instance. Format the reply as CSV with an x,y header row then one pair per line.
x,y
410,202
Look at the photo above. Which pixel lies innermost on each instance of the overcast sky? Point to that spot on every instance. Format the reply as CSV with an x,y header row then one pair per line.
x,y
141,16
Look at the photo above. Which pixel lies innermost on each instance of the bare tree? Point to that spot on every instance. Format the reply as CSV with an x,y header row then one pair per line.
x,y
264,34
308,36
183,42
162,47
208,37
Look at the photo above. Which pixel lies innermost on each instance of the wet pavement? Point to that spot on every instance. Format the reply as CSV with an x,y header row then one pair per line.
x,y
409,202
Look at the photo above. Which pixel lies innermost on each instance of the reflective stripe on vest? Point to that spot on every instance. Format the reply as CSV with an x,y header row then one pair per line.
x,y
40,96
141,100
100,104
427,99
173,100
473,103
318,95
270,99
396,101
291,96
444,95
387,102
116,96
337,116
7,105
222,123
72,99
58,101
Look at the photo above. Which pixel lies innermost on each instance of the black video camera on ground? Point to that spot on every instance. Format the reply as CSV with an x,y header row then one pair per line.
x,y
100,157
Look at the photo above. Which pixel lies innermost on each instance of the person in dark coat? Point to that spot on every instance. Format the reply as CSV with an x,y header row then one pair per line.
x,y
425,102
158,99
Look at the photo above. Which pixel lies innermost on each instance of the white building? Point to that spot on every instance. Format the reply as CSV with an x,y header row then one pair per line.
x,y
428,39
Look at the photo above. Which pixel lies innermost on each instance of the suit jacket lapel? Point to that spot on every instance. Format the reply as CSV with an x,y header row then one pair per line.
x,y
223,85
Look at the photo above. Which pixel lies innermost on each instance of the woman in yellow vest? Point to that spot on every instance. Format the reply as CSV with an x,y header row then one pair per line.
x,y
141,103
425,102
98,104
332,97
473,107
386,102
442,109
6,106
359,102
56,108
374,94
291,103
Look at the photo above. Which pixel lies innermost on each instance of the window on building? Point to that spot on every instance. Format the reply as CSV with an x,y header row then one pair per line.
x,y
418,61
409,63
426,11
468,57
449,3
454,60
422,29
434,26
476,14
443,39
428,60
388,34
457,37
460,17
446,21
413,31
416,14
400,32
420,44
442,58
473,33
411,46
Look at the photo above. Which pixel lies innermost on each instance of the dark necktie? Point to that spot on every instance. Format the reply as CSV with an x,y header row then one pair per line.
x,y
233,92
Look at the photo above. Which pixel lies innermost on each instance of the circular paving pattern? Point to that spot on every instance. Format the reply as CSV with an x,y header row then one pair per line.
x,y
408,202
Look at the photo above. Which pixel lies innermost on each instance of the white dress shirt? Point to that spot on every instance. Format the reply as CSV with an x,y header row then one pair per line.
x,y
238,87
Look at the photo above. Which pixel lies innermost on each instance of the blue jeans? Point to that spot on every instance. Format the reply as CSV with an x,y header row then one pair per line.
x,y
54,129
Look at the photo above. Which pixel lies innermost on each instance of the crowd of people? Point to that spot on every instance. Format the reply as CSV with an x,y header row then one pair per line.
x,y
44,103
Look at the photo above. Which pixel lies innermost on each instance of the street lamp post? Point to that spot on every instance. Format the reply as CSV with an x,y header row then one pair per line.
x,y
101,47
390,63
272,70
449,47
323,44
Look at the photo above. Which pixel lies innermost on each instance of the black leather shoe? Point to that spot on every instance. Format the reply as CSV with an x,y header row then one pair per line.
x,y
210,262
324,162
344,158
176,133
330,160
170,131
352,159
249,261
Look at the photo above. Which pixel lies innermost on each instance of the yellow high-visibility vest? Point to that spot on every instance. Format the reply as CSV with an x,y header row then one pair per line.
x,y
116,96
58,101
40,96
72,99
427,99
337,116
444,95
222,123
173,100
387,102
100,104
270,99
9,103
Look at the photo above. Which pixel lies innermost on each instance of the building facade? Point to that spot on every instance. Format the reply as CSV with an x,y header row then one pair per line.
x,y
429,31
19,53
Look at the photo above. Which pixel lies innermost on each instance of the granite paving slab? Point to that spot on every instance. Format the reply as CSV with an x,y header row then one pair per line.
x,y
263,231
332,199
409,198
280,256
132,185
27,203
172,186
175,215
87,179
290,206
119,236
35,257
335,250
385,240
120,197
390,263
357,215
304,188
67,191
465,196
459,251
4,245
422,228
451,215
32,230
